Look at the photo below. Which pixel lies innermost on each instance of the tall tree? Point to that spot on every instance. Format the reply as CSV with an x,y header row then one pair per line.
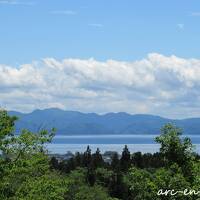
x,y
25,164
137,159
125,159
97,159
87,157
176,149
115,162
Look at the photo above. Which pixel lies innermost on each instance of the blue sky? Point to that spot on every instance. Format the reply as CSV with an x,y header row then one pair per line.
x,y
103,29
136,56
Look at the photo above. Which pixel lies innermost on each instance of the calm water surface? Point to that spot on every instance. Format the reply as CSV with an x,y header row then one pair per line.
x,y
144,143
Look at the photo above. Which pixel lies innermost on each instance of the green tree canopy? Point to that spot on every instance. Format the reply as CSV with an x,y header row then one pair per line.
x,y
176,149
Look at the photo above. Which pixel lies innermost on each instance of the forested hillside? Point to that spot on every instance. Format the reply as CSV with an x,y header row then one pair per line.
x,y
77,123
28,173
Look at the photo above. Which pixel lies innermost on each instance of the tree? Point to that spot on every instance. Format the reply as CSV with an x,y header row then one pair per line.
x,y
143,184
92,193
80,190
25,166
140,185
137,159
78,159
6,130
27,172
97,159
125,159
103,176
174,149
116,186
87,157
54,163
115,162
90,177
171,178
50,186
77,178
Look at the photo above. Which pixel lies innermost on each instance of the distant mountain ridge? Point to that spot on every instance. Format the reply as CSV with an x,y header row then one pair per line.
x,y
77,123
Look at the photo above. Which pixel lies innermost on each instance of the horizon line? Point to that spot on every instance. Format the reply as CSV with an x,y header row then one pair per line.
x,y
100,114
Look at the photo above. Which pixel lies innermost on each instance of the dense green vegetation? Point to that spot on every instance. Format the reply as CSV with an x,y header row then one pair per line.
x,y
28,173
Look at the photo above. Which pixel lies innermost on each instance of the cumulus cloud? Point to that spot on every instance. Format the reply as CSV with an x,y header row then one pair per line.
x,y
157,84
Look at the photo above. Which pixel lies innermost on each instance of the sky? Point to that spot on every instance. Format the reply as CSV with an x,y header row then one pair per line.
x,y
101,56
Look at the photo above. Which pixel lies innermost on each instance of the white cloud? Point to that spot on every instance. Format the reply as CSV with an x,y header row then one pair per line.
x,y
196,14
97,25
15,2
157,84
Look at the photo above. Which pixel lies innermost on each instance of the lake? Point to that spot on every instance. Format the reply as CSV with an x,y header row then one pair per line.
x,y
144,143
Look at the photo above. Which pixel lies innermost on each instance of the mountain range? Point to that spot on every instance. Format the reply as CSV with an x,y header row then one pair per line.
x,y
77,123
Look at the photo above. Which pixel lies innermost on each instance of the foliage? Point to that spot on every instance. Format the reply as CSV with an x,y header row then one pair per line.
x,y
140,185
175,149
92,193
48,186
28,173
24,167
